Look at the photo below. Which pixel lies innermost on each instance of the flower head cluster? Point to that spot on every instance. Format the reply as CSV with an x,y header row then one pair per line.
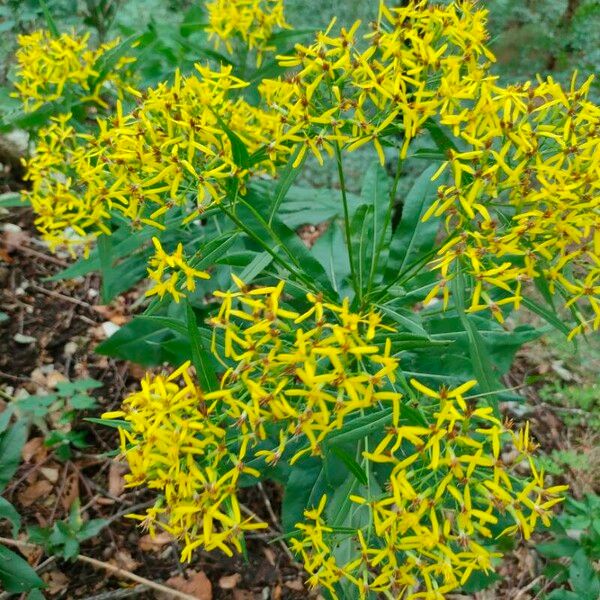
x,y
296,379
65,190
49,67
438,482
167,270
419,60
302,372
448,489
174,443
174,149
253,21
523,202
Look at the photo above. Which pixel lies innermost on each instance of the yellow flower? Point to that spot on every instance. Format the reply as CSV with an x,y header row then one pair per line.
x,y
426,525
253,21
175,267
49,67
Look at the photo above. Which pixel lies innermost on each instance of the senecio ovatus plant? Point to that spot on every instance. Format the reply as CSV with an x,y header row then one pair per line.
x,y
362,374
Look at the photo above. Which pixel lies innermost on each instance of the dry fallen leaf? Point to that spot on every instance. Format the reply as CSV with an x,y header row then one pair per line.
x,y
116,483
228,582
124,560
270,556
197,585
33,492
70,491
32,448
242,595
54,378
295,584
148,543
32,553
56,581
50,473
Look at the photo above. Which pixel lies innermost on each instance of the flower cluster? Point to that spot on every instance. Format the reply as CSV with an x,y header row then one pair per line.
x,y
174,444
174,150
252,21
449,488
51,67
349,90
523,202
447,480
65,191
304,372
175,267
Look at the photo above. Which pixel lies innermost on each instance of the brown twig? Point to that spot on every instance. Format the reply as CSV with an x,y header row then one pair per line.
x,y
269,507
112,569
123,593
43,290
521,593
46,257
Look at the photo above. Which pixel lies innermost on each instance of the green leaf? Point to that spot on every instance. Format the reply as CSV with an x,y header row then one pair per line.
x,y
414,238
350,463
126,245
138,341
362,239
66,388
82,402
584,579
303,489
409,320
108,60
9,512
562,594
239,151
549,316
375,192
306,205
563,546
49,20
11,443
6,415
482,366
336,264
439,136
91,528
480,581
203,361
283,242
258,264
11,200
106,263
16,575
214,249
114,423
286,178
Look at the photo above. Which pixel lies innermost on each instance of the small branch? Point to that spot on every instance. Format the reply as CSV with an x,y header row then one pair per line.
x,y
45,257
521,593
39,288
123,593
112,569
269,507
118,572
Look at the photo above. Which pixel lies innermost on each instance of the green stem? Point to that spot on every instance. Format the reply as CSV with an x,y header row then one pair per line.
x,y
338,156
278,259
388,217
